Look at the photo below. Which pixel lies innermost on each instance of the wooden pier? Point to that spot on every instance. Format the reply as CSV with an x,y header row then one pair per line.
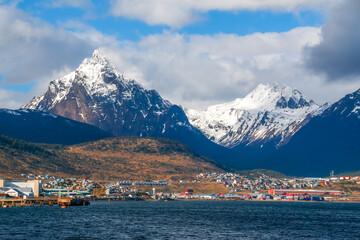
x,y
19,202
43,201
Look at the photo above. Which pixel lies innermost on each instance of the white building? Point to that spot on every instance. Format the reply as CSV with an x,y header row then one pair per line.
x,y
22,192
20,189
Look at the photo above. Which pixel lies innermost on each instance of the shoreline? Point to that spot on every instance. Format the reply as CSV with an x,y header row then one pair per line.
x,y
173,200
219,200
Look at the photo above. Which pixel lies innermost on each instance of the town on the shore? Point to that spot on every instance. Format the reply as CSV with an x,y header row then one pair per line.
x,y
236,187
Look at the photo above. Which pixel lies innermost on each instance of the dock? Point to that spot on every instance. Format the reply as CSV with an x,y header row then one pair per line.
x,y
43,201
19,202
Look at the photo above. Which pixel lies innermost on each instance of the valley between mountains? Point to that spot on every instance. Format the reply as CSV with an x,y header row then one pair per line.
x,y
274,127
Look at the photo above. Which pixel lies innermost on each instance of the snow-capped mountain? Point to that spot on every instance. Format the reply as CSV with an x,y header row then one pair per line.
x,y
96,93
330,141
270,113
346,108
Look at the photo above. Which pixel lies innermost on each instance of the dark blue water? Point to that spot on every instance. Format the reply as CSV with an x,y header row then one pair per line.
x,y
184,220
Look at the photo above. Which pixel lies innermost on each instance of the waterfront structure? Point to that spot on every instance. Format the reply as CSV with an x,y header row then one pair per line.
x,y
20,192
303,192
4,195
31,188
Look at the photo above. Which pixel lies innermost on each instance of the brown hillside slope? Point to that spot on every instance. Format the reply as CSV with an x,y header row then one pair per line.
x,y
129,158
17,156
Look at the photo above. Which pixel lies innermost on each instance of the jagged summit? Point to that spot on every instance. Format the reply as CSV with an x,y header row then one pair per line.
x,y
268,97
97,62
96,93
269,113
347,107
97,76
330,141
96,55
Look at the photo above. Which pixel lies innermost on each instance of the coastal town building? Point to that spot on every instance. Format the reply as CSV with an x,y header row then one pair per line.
x,y
303,192
31,188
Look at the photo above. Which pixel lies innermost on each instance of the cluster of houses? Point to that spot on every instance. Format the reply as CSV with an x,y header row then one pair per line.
x,y
124,187
53,186
83,187
292,195
249,196
277,188
38,177
69,187
47,185
142,183
238,183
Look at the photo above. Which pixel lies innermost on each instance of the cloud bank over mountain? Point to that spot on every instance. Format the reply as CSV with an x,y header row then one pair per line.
x,y
337,55
192,69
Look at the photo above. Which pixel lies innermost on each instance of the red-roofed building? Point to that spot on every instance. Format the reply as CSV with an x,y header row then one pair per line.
x,y
303,192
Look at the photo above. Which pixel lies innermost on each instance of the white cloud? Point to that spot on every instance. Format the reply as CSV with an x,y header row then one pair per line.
x,y
12,99
178,13
196,71
31,49
34,51
337,55
192,70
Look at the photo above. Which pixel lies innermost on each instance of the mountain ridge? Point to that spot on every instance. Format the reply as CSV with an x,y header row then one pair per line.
x,y
330,141
268,113
250,129
41,127
96,93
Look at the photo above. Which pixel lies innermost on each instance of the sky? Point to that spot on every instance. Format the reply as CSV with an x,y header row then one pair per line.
x,y
195,53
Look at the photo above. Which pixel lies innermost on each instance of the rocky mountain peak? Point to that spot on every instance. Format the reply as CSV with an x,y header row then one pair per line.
x,y
95,76
96,93
274,96
348,106
97,68
268,113
96,55
97,59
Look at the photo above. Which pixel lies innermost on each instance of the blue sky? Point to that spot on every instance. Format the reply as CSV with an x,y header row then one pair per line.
x,y
195,53
241,22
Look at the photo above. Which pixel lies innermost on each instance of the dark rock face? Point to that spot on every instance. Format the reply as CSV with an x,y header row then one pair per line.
x,y
293,104
97,94
41,127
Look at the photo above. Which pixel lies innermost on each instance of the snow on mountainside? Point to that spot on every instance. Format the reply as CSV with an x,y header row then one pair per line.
x,y
330,141
268,114
98,77
96,93
349,106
